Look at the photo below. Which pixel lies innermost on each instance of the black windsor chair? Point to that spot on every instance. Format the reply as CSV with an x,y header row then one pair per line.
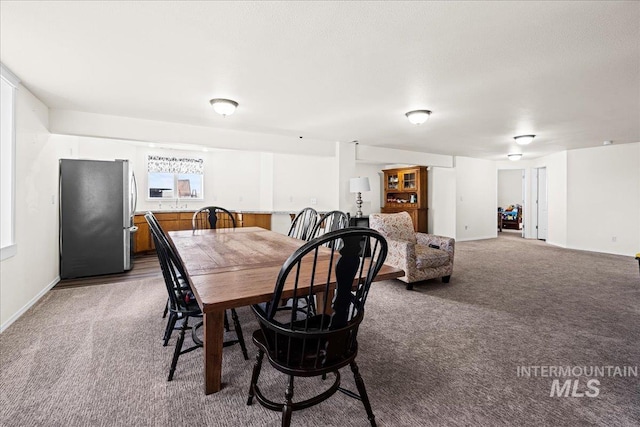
x,y
318,344
303,224
212,217
182,302
330,221
302,227
181,275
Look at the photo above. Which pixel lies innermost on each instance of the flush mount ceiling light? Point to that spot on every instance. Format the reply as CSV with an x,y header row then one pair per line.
x,y
514,157
524,139
223,106
417,117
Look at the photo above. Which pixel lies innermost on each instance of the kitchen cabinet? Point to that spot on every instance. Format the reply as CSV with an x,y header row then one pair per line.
x,y
181,220
253,220
405,190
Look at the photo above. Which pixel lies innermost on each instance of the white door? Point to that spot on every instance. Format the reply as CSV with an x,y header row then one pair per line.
x,y
542,203
522,203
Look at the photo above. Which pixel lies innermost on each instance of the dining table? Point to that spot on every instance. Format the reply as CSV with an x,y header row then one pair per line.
x,y
231,268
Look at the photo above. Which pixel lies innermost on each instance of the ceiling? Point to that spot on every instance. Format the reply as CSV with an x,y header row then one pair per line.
x,y
568,72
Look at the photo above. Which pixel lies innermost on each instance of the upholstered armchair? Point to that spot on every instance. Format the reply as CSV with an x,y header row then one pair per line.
x,y
422,256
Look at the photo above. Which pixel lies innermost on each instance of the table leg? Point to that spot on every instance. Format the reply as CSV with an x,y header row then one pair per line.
x,y
324,302
213,337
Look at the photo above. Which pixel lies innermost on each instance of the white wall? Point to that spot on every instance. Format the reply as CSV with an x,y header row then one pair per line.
x,y
25,277
510,187
298,180
442,201
371,199
346,157
603,204
303,181
476,203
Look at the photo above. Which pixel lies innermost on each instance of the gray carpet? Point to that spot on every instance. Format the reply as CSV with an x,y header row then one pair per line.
x,y
437,355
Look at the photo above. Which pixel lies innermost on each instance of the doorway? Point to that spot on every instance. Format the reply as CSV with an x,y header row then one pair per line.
x,y
511,200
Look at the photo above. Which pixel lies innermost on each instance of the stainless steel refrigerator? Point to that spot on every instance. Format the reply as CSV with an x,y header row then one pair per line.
x,y
97,204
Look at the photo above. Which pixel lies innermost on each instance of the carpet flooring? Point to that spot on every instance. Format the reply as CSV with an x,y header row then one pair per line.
x,y
440,355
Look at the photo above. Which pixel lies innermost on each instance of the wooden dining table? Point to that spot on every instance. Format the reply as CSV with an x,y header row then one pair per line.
x,y
230,268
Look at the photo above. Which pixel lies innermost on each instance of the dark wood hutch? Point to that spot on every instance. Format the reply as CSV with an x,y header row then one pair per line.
x,y
405,189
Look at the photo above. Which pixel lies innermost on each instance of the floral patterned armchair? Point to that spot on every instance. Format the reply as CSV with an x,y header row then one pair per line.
x,y
422,256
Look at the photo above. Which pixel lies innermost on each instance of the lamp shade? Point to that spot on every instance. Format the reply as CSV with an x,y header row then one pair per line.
x,y
359,185
223,106
514,156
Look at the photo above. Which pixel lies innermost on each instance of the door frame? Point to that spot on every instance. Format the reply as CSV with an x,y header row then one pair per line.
x,y
523,193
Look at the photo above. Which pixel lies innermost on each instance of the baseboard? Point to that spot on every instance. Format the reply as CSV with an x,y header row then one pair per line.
x,y
28,305
470,239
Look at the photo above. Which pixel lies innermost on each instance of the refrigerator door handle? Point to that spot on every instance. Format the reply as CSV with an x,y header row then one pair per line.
x,y
134,193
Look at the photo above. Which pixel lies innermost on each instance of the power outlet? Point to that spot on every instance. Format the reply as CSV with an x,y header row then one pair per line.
x,y
314,201
614,239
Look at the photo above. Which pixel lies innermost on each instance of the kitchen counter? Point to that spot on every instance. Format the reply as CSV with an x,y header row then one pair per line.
x,y
180,219
186,210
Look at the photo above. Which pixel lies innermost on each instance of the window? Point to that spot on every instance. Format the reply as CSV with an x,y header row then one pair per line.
x,y
175,177
8,85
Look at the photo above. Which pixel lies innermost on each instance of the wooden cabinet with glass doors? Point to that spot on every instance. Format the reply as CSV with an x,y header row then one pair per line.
x,y
405,189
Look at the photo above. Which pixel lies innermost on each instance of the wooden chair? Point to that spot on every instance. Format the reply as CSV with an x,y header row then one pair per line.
x,y
182,302
330,221
212,217
302,227
181,275
303,224
320,344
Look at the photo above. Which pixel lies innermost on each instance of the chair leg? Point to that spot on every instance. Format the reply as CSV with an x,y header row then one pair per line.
x,y
178,349
171,323
409,286
226,321
166,309
311,300
363,393
254,377
238,329
287,409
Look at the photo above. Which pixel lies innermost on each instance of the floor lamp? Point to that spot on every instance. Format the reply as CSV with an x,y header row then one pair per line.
x,y
359,185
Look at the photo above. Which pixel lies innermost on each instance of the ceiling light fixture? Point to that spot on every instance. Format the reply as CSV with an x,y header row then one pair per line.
x,y
524,139
514,157
417,117
224,107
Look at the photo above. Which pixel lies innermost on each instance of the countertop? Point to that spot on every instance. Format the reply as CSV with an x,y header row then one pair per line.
x,y
186,210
